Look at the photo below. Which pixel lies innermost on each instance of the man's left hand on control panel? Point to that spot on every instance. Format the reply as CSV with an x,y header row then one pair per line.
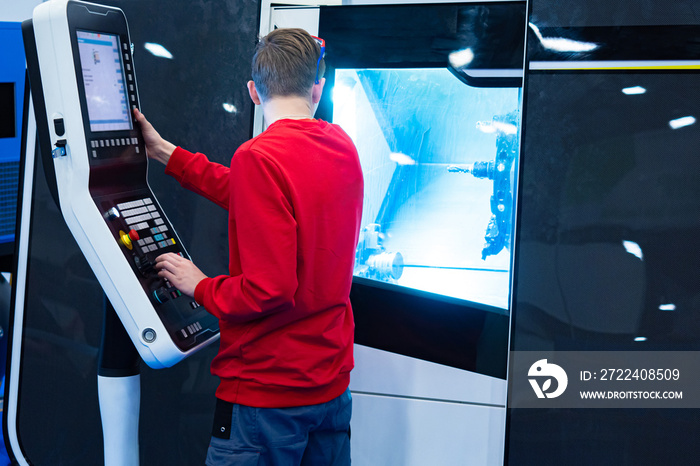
x,y
157,148
180,272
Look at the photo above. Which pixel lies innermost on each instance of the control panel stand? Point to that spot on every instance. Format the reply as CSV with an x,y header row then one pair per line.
x,y
119,392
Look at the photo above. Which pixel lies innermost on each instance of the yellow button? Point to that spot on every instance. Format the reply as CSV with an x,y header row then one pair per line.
x,y
126,241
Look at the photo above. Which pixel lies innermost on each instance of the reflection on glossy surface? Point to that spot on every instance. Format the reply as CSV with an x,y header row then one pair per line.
x,y
230,108
562,44
634,90
681,122
438,159
158,50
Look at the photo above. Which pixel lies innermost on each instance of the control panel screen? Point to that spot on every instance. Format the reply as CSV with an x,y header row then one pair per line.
x,y
103,78
7,110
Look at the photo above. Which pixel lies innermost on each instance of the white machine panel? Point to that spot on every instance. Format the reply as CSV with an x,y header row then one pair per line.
x,y
84,89
385,373
395,431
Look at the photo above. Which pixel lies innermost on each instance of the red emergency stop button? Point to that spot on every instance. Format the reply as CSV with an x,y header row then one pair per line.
x,y
133,235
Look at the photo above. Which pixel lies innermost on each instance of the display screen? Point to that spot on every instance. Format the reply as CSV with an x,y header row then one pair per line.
x,y
7,112
103,78
439,160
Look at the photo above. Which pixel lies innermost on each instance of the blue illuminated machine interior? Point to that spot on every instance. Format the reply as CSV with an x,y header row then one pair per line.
x,y
439,161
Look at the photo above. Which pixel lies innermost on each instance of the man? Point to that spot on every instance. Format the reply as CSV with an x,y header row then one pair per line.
x,y
294,195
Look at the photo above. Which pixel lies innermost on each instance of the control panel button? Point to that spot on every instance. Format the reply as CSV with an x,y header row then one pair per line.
x,y
133,235
112,213
59,126
161,295
125,239
144,265
149,335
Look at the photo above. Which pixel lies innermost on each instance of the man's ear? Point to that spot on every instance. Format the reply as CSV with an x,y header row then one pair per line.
x,y
253,92
317,90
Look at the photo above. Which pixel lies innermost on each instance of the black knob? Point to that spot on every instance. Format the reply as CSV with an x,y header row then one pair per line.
x,y
161,295
144,265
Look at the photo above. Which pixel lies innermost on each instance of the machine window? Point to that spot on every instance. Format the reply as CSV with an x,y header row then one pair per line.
x,y
439,160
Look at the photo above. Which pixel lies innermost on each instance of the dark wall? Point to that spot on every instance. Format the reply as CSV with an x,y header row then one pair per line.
x,y
212,44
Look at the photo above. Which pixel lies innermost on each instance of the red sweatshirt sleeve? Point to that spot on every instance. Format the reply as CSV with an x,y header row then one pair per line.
x,y
196,173
263,224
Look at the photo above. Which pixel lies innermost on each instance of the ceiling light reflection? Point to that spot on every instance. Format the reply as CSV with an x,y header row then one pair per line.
x,y
461,58
636,90
634,249
562,44
230,107
667,307
640,339
682,122
158,50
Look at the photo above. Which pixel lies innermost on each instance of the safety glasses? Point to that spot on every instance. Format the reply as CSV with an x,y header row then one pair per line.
x,y
322,44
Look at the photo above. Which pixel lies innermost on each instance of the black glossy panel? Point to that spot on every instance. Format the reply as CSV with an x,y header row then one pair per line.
x,y
608,232
547,13
407,36
212,44
431,327
615,43
602,172
424,36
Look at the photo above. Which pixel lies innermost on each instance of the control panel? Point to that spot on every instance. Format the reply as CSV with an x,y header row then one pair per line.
x,y
84,90
143,233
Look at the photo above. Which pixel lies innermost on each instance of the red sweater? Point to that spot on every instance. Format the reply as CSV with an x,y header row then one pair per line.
x,y
294,196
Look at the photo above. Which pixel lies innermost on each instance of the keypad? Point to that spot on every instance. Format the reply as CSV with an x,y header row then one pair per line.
x,y
192,328
142,215
120,142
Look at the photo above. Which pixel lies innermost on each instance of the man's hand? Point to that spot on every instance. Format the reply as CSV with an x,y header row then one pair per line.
x,y
157,148
180,272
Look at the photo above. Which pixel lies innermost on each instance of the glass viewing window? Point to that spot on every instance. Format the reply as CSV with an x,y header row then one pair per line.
x,y
439,161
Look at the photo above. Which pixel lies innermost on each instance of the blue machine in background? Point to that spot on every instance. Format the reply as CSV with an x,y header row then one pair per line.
x,y
12,84
12,114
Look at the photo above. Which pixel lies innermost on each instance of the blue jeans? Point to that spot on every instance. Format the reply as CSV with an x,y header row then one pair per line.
x,y
317,435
